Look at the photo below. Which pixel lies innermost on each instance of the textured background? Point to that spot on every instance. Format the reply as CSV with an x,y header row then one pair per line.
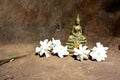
x,y
27,21
23,23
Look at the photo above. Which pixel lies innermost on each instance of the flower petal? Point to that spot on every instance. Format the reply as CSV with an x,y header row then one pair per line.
x,y
37,49
47,55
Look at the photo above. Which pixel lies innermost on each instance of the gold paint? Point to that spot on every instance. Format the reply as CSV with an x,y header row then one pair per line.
x,y
76,37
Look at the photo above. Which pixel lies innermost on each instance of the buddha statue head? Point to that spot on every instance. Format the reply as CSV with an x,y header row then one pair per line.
x,y
77,28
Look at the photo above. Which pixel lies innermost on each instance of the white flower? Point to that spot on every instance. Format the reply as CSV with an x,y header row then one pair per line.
x,y
99,52
37,49
44,48
55,43
82,52
60,50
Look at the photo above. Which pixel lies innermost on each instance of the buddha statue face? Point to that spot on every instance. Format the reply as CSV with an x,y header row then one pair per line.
x,y
77,22
77,28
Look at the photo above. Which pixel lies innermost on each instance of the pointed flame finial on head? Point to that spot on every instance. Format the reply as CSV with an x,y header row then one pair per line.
x,y
77,20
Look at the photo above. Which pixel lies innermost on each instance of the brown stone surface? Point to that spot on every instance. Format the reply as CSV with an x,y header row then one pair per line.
x,y
34,67
23,23
31,20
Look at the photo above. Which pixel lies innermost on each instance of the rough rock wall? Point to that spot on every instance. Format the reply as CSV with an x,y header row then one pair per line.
x,y
32,20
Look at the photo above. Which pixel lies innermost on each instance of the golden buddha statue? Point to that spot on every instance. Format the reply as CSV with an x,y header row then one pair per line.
x,y
76,37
